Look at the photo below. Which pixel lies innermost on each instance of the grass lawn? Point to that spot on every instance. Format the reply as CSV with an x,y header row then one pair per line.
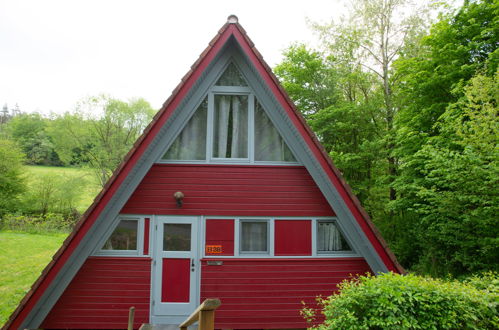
x,y
22,258
87,181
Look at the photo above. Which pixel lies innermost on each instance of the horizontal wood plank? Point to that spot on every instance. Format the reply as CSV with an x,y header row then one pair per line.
x,y
235,190
268,293
100,295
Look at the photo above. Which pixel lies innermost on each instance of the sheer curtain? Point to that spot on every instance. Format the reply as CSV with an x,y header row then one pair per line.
x,y
254,236
269,145
329,238
231,126
191,142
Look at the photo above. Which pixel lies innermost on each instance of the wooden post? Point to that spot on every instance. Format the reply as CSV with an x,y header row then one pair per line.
x,y
131,315
205,314
207,320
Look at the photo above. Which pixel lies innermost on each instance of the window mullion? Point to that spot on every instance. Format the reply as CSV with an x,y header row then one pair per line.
x,y
251,128
209,130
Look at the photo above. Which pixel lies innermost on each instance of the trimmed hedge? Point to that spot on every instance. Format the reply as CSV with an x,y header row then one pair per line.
x,y
392,301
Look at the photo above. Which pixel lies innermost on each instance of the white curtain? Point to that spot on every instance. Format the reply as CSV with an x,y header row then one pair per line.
x,y
231,126
191,142
329,238
254,236
269,145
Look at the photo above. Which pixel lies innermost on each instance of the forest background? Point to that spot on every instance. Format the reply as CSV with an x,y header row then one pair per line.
x,y
405,103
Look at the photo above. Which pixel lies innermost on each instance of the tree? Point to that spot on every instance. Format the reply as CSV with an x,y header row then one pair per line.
x,y
455,191
29,131
335,97
100,131
373,37
11,180
444,181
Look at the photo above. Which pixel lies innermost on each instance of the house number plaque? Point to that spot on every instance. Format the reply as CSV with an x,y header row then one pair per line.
x,y
213,249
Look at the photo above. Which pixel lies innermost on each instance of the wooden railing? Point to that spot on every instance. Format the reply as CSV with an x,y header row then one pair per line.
x,y
205,314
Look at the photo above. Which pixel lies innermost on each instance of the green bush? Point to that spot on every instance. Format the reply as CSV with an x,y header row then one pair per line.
x,y
392,301
38,223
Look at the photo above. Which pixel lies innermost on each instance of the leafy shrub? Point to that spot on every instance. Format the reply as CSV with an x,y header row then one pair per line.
x,y
392,301
38,224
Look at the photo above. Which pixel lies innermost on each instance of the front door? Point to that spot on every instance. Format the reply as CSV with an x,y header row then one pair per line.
x,y
175,290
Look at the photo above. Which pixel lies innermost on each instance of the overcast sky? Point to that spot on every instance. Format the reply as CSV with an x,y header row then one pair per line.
x,y
54,53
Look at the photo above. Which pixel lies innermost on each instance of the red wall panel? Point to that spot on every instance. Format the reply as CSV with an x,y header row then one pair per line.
x,y
267,293
101,293
176,280
293,238
228,190
220,233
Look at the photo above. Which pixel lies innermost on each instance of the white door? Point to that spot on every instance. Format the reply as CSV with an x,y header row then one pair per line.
x,y
175,289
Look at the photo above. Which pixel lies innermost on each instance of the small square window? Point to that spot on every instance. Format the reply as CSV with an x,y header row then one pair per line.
x,y
330,239
124,237
254,236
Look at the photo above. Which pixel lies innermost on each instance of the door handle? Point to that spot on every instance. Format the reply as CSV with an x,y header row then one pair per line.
x,y
193,265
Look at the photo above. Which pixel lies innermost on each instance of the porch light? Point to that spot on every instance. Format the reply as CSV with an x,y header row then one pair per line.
x,y
179,198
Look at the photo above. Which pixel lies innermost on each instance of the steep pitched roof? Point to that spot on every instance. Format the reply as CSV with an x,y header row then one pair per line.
x,y
63,266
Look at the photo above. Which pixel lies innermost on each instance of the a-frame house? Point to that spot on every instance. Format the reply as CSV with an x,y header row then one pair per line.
x,y
228,194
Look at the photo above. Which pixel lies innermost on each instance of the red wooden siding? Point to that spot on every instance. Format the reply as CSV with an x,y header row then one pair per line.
x,y
176,280
229,190
293,238
146,235
267,293
220,233
101,293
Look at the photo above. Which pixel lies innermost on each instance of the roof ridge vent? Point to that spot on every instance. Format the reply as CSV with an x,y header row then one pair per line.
x,y
232,19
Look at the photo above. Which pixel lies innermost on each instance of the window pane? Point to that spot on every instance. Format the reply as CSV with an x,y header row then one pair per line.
x,y
231,77
269,144
177,237
230,126
254,236
124,237
329,238
191,142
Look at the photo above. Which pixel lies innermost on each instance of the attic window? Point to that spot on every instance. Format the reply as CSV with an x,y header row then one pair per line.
x,y
230,126
190,144
269,145
231,77
230,133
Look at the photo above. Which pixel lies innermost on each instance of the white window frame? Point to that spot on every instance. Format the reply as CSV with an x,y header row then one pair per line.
x,y
315,229
209,159
139,252
268,240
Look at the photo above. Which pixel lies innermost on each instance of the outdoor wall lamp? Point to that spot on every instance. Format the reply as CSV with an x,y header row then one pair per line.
x,y
179,198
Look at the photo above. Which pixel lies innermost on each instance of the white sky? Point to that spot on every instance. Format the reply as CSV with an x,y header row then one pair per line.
x,y
56,52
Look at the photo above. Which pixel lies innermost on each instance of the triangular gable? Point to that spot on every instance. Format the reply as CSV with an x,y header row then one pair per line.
x,y
165,127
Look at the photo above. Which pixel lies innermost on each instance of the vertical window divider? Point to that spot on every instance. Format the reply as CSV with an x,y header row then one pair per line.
x,y
236,238
209,127
251,128
271,237
314,237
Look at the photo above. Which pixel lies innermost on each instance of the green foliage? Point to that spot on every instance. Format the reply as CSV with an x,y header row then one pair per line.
x,y
11,181
54,192
392,301
30,132
452,184
458,47
101,131
38,224
308,79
